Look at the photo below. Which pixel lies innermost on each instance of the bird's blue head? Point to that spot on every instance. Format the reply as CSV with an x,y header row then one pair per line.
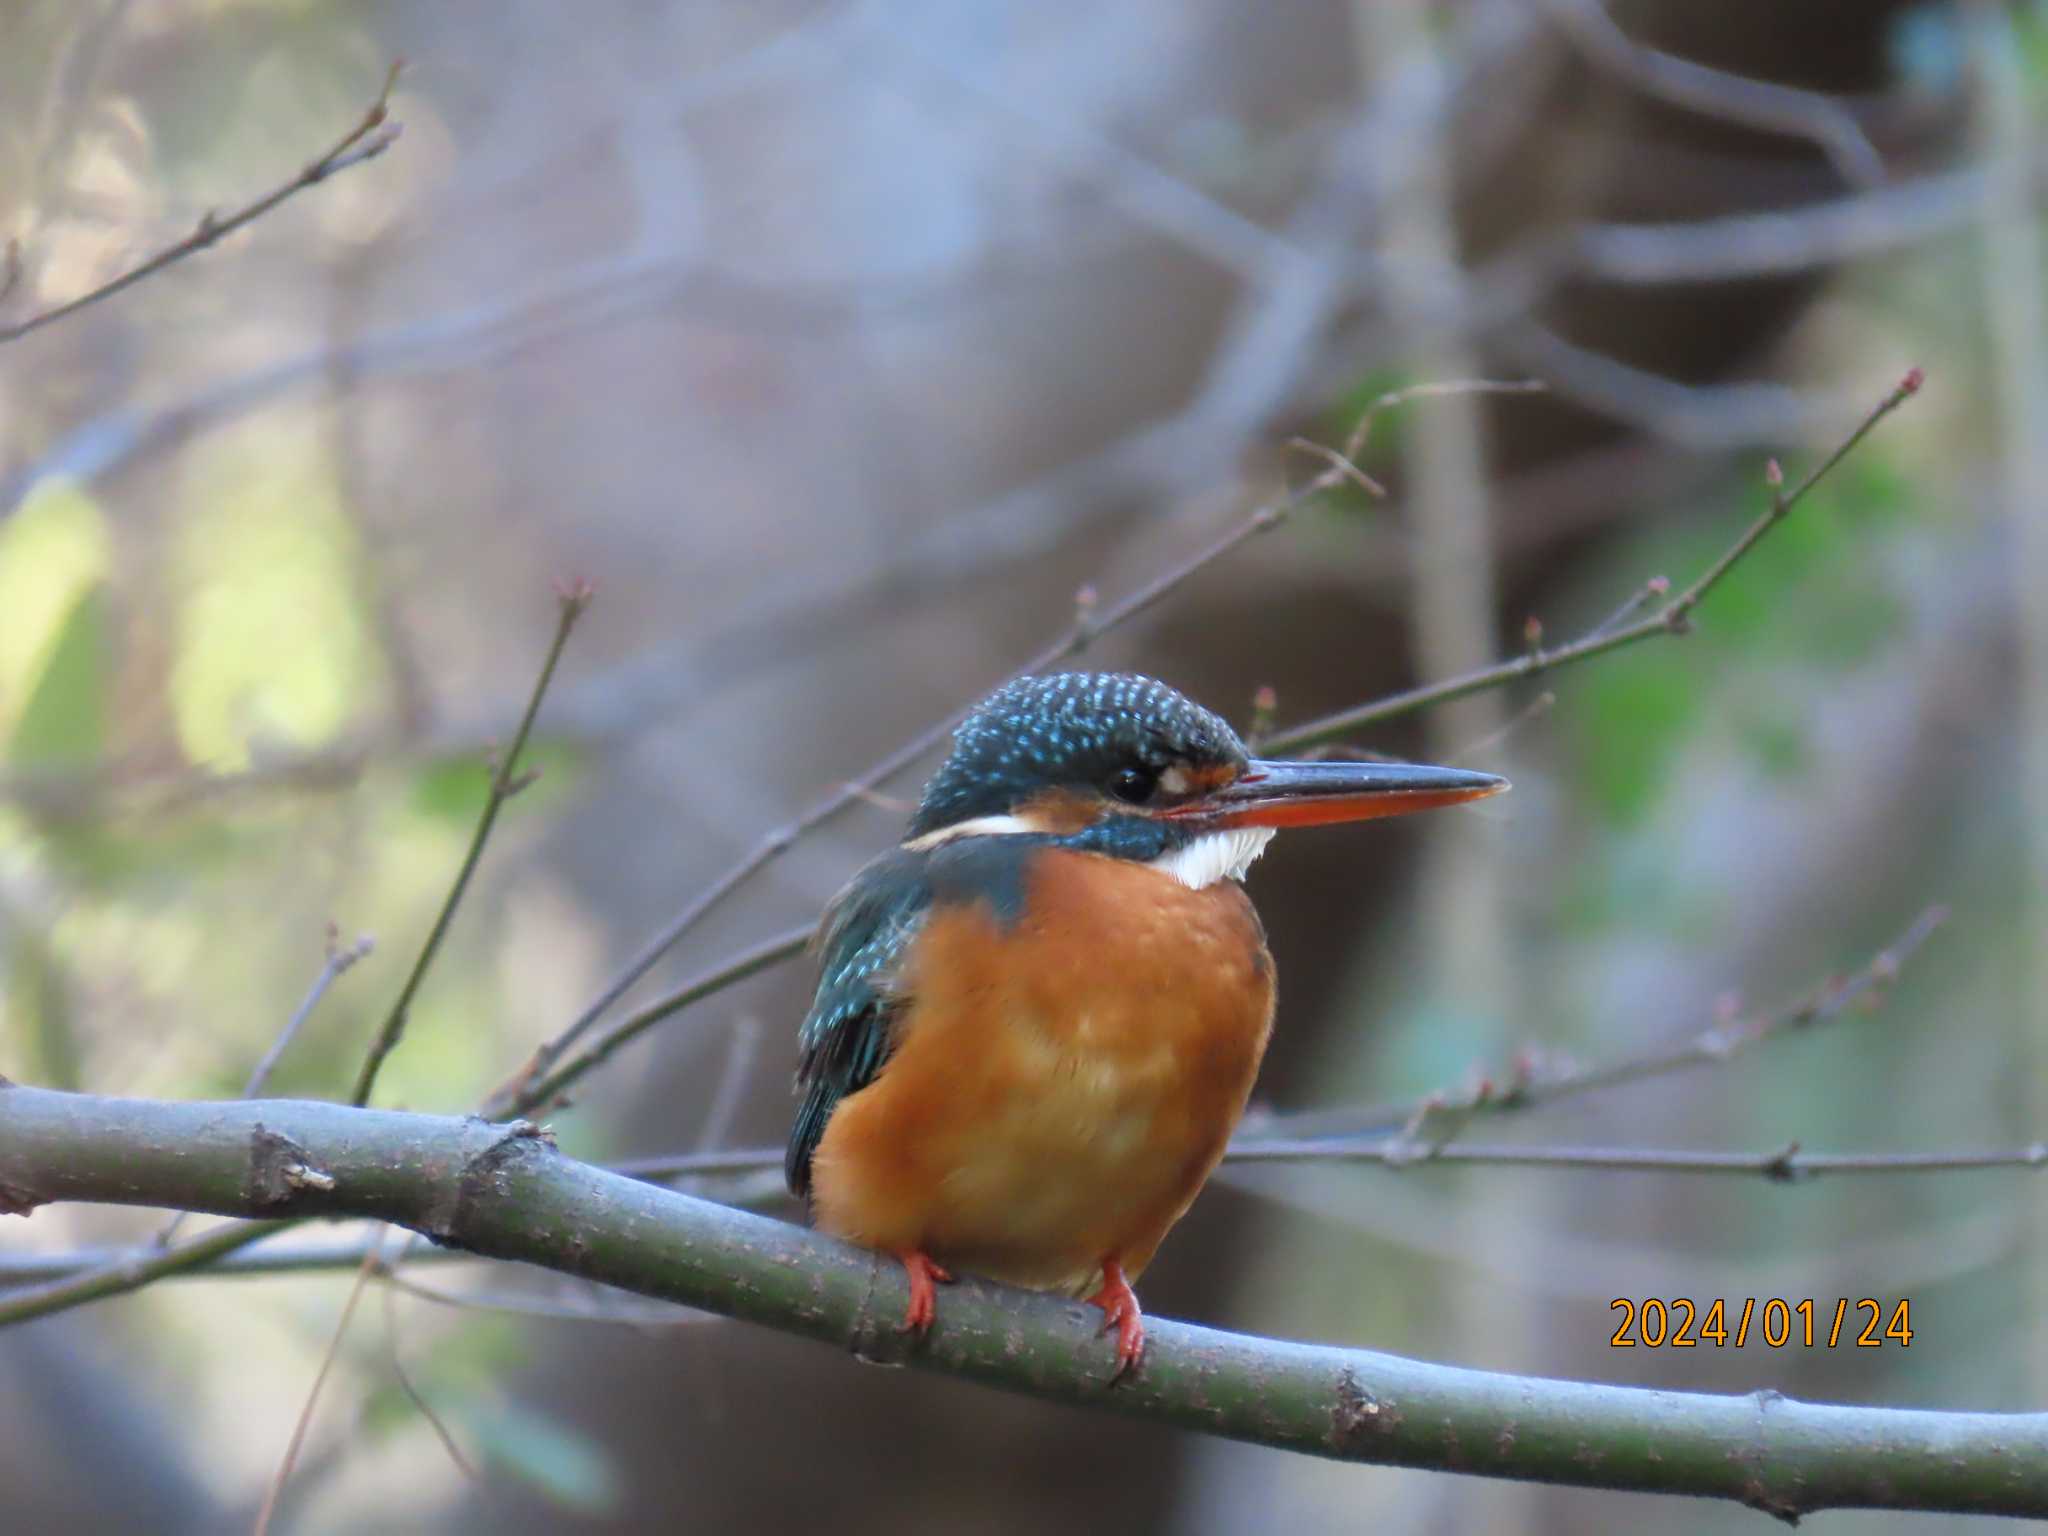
x,y
1075,746
1120,764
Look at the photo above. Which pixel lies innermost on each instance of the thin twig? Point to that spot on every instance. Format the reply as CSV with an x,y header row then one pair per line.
x,y
1439,1117
731,1092
282,1476
338,960
506,781
130,1272
1673,618
1786,1164
405,1382
748,962
368,139
1345,461
658,1316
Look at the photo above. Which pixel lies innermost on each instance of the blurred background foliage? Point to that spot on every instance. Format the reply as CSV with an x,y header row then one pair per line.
x,y
839,345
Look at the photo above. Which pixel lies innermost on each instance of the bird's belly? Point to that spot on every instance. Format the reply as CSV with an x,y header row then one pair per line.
x,y
1073,1161
1062,1086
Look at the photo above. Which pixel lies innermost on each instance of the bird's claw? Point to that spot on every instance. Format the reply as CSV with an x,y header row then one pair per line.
x,y
1120,1311
925,1278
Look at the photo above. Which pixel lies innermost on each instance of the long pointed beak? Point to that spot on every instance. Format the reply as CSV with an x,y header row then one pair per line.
x,y
1276,794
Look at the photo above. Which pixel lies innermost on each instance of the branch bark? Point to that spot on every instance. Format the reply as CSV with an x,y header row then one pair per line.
x,y
504,1192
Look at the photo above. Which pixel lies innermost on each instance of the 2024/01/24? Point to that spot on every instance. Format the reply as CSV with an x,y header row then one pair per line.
x,y
1681,1324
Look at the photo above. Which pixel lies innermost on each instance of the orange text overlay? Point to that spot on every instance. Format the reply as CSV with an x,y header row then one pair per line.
x,y
1682,1323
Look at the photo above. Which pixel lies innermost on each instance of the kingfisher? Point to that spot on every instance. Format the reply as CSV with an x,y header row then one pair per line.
x,y
1038,1020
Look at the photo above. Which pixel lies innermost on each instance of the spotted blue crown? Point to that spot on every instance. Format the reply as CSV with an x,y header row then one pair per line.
x,y
1068,729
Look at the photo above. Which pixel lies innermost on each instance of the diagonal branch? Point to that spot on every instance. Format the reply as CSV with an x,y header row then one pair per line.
x,y
1437,1118
1739,99
507,780
368,139
504,1192
1673,618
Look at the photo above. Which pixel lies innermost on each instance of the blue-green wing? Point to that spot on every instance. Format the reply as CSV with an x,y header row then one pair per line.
x,y
848,1034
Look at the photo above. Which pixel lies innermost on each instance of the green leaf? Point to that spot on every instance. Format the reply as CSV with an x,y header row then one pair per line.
x,y
65,720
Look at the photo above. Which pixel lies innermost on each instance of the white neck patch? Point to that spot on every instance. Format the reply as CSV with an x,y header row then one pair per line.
x,y
1214,856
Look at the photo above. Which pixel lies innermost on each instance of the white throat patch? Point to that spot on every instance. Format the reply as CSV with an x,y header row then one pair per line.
x,y
1215,856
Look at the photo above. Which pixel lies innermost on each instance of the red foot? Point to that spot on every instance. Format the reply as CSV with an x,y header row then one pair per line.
x,y
924,1297
1119,1305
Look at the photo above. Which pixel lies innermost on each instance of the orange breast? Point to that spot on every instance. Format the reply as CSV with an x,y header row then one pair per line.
x,y
1062,1087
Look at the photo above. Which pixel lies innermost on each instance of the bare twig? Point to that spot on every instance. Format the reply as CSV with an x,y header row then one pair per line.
x,y
338,960
1345,461
396,1357
514,1305
130,1272
368,139
275,1490
1673,618
731,1092
1786,1165
1401,1150
528,1093
506,781
1439,1117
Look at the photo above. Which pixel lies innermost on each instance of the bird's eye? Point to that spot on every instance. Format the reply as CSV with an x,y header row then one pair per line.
x,y
1133,786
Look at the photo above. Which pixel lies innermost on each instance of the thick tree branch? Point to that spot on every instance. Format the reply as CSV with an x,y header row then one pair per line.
x,y
504,1192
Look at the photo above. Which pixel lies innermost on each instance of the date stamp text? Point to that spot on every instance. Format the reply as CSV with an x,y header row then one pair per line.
x,y
1680,1323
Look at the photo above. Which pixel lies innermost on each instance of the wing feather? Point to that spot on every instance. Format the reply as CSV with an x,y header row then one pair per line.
x,y
849,1033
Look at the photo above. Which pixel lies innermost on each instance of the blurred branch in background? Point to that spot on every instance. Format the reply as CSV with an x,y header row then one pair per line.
x,y
505,1192
2013,273
1736,99
368,139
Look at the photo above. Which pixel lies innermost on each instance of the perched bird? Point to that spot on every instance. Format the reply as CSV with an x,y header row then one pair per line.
x,y
1039,1018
